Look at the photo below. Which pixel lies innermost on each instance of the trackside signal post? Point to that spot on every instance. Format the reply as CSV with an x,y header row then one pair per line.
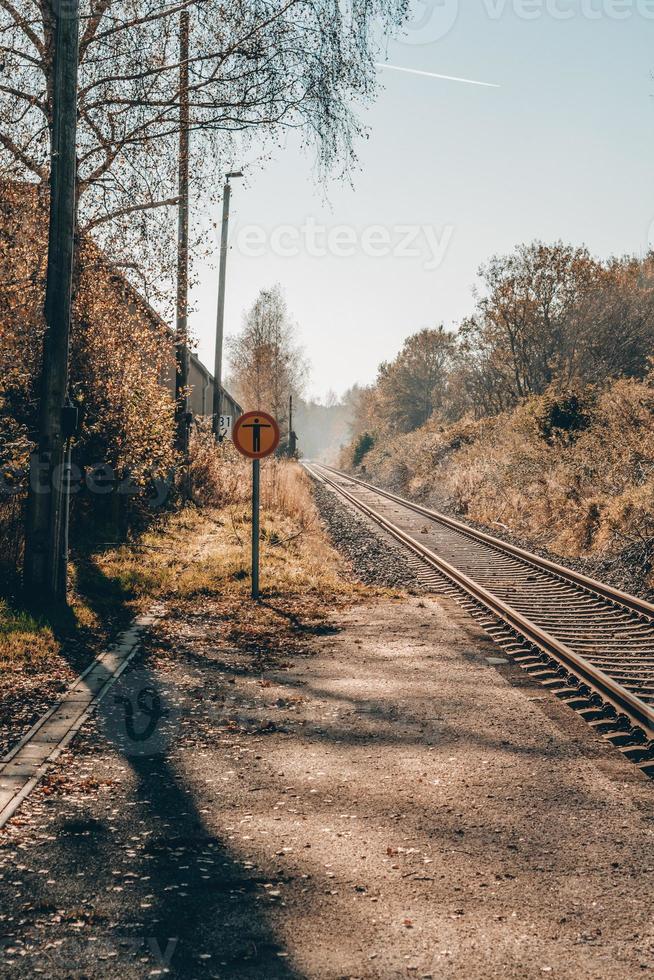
x,y
256,435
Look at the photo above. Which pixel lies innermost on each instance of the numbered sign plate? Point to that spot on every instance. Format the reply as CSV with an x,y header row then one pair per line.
x,y
225,427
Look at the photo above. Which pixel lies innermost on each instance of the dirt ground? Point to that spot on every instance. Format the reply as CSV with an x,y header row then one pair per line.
x,y
384,804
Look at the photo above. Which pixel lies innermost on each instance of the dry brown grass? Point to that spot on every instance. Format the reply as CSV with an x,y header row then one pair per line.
x,y
220,476
580,493
286,489
208,550
198,552
24,640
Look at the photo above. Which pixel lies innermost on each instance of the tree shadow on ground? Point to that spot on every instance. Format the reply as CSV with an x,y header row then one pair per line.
x,y
307,628
137,884
47,645
142,868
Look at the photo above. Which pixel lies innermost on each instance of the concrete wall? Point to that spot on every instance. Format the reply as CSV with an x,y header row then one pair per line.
x,y
201,399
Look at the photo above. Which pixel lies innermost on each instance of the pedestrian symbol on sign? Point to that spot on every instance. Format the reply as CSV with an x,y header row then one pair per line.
x,y
256,434
256,425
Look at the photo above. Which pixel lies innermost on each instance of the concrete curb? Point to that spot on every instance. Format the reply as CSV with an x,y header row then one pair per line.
x,y
29,760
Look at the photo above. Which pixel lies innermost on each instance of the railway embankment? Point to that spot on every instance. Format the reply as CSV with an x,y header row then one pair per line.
x,y
566,474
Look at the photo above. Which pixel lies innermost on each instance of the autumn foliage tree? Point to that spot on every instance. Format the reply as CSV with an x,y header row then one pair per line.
x,y
121,350
255,66
552,313
547,317
122,354
412,387
267,363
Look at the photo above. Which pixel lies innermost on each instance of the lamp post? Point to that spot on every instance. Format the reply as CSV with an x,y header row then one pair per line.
x,y
220,319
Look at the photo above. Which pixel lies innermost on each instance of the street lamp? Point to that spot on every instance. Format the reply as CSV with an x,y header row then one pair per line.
x,y
220,319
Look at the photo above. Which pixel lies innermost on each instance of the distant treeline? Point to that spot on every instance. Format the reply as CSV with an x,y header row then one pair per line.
x,y
546,314
537,415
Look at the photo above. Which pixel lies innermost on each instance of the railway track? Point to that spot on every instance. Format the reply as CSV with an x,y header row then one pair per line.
x,y
590,644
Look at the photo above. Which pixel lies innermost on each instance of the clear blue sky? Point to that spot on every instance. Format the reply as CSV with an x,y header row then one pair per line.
x,y
564,148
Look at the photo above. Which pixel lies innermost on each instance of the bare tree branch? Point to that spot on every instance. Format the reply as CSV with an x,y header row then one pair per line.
x,y
145,206
24,25
22,157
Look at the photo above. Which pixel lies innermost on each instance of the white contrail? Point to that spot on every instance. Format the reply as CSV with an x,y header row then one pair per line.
x,y
433,74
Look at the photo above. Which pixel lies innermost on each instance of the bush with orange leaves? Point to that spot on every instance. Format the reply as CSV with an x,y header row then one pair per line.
x,y
120,354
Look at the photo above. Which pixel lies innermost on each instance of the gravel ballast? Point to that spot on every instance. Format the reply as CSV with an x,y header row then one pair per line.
x,y
376,558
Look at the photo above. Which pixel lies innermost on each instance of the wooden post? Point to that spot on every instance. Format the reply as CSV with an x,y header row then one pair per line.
x,y
181,329
256,472
45,571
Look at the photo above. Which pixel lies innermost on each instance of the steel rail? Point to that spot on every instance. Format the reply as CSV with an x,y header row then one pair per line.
x,y
624,701
631,602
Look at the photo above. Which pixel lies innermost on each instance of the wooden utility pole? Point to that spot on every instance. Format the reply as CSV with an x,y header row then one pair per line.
x,y
45,570
181,328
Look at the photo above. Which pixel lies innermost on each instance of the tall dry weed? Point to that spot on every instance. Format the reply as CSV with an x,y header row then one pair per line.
x,y
286,489
570,471
221,477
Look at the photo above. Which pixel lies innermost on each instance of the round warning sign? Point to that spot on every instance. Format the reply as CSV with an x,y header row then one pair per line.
x,y
256,434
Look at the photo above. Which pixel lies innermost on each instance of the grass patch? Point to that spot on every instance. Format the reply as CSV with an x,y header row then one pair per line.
x,y
24,639
196,553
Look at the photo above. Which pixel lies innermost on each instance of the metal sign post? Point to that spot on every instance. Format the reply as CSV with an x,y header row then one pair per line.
x,y
256,435
256,467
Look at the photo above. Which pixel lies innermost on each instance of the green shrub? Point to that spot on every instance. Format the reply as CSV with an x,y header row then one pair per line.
x,y
362,447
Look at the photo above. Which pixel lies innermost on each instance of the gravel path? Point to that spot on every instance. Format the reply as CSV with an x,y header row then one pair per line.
x,y
376,558
389,805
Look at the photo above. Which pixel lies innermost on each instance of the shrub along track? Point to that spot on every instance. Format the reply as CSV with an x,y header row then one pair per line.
x,y
588,643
